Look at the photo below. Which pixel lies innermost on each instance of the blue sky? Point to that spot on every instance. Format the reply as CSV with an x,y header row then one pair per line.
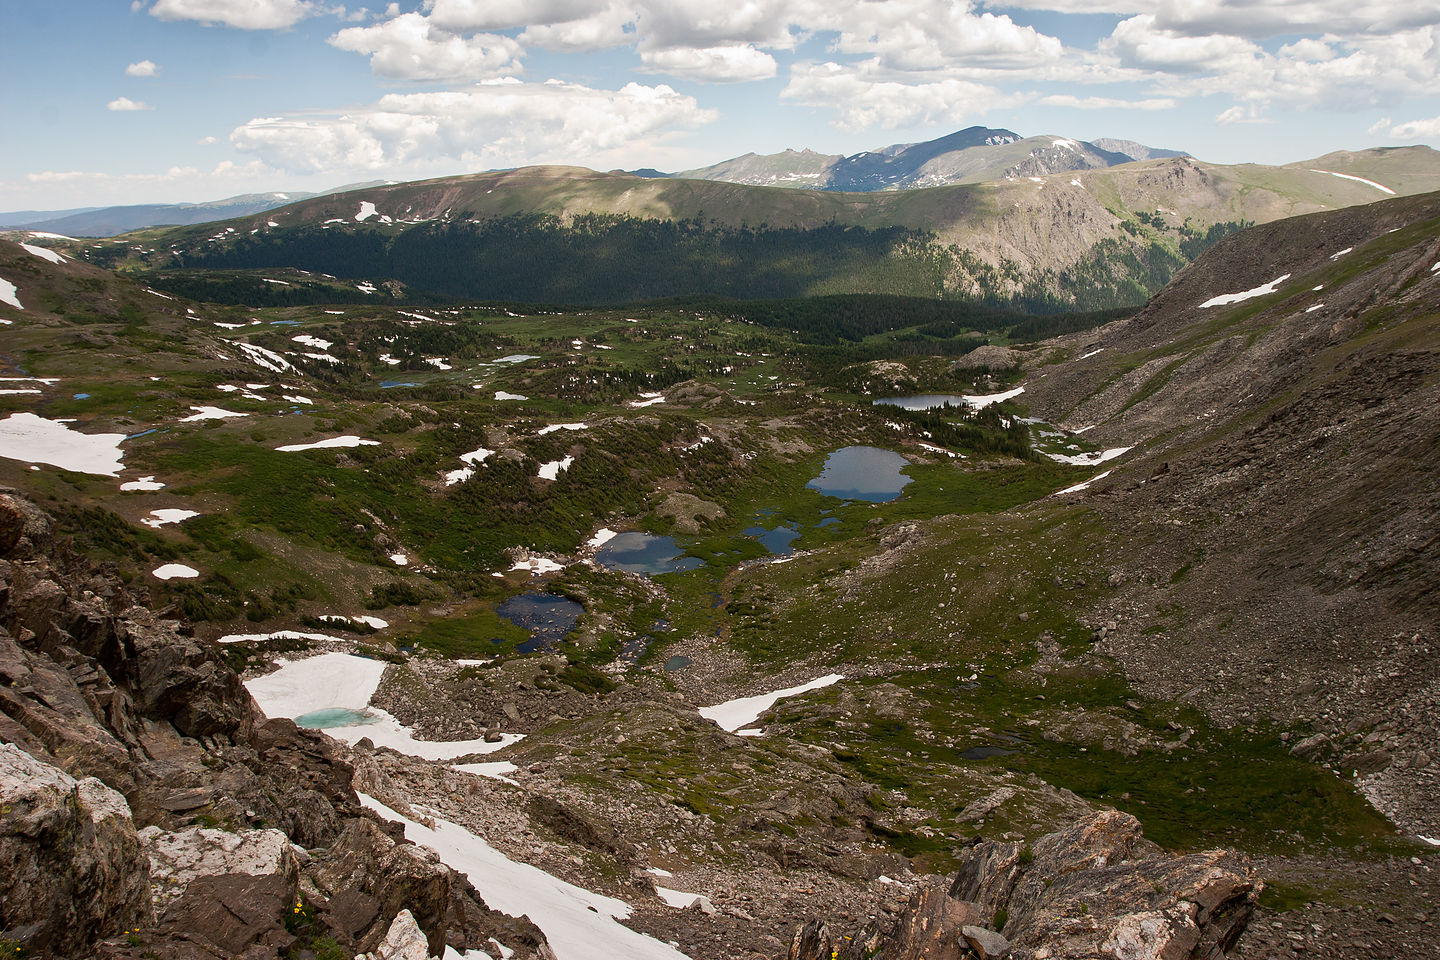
x,y
112,101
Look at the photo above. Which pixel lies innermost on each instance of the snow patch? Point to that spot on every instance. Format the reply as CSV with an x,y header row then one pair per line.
x,y
44,253
367,210
563,426
375,622
211,413
734,714
8,294
978,403
345,441
538,565
143,484
399,559
680,899
1312,309
551,470
502,395
1081,486
579,924
296,398
159,518
602,536
32,439
261,357
647,400
277,635
1369,183
174,571
1091,459
310,341
494,769
1228,298
1087,356
438,363
1340,253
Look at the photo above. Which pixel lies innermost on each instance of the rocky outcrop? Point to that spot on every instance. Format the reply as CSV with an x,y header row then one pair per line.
x,y
1095,890
111,718
71,868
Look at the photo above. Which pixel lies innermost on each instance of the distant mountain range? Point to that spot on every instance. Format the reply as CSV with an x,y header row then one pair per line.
x,y
109,221
972,155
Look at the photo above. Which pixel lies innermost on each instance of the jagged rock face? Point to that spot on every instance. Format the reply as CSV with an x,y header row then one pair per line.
x,y
112,717
1098,889
72,865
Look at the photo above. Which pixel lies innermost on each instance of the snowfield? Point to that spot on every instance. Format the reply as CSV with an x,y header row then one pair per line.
x,y
32,439
1088,459
1369,183
159,518
211,413
551,470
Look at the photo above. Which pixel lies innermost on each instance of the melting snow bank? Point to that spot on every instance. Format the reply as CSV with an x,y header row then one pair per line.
x,y
562,426
1228,298
44,253
579,924
375,622
503,395
143,484
345,441
174,571
1345,176
8,294
538,565
1089,459
1082,486
734,714
32,439
345,682
277,635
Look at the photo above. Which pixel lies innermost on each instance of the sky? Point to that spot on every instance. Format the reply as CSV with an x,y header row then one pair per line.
x,y
164,101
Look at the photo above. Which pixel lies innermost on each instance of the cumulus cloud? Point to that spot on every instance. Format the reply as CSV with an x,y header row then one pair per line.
x,y
930,34
125,104
145,68
241,14
411,47
463,15
1247,18
726,64
1416,129
496,124
860,100
1106,103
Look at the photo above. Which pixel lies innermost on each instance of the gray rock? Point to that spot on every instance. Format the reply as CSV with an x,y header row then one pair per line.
x,y
987,943
71,862
404,940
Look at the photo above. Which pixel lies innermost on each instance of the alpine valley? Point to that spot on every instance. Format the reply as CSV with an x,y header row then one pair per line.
x,y
996,546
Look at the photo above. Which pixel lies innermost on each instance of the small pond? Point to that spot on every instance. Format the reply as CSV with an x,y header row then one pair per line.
x,y
676,663
547,616
390,384
923,401
776,540
862,473
644,553
332,717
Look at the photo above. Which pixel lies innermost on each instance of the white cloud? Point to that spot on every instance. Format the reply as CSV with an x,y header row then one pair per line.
x,y
1139,42
930,34
862,100
1379,126
726,64
1416,129
706,23
497,124
145,68
1254,20
411,47
1106,103
612,25
124,104
207,141
242,14
465,15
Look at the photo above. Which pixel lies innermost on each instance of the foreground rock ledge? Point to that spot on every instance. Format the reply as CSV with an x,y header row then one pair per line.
x,y
1098,889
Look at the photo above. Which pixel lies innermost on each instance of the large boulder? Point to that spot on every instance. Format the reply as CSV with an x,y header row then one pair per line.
x,y
71,867
178,858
